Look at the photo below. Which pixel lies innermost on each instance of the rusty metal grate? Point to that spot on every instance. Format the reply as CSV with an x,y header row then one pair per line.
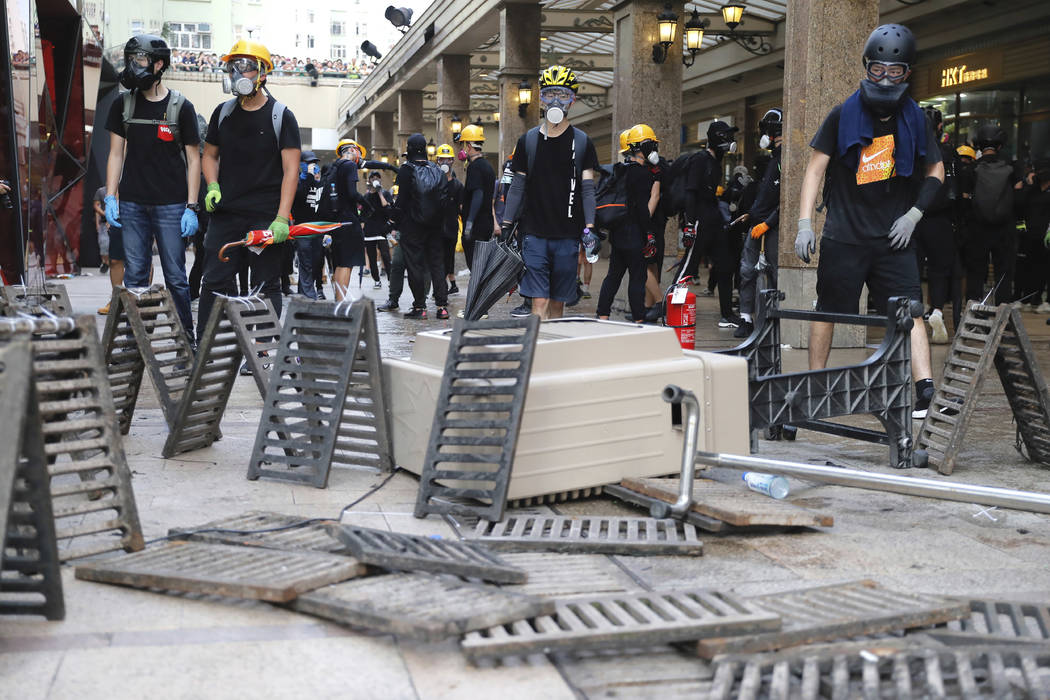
x,y
926,673
274,575
622,620
420,606
124,365
593,535
480,403
258,332
394,550
92,499
998,622
325,401
838,611
243,530
52,298
30,579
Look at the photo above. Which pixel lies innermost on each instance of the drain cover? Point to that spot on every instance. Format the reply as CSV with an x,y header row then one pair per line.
x,y
592,535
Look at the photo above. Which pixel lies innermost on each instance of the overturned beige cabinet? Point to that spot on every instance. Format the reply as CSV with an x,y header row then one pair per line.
x,y
594,412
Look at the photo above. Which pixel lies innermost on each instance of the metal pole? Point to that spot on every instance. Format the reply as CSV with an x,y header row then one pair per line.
x,y
892,483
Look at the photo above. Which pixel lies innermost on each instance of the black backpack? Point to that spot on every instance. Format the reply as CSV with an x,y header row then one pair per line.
x,y
675,197
611,199
329,208
993,193
429,193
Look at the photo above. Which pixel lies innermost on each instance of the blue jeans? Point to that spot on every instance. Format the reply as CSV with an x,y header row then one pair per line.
x,y
307,249
141,224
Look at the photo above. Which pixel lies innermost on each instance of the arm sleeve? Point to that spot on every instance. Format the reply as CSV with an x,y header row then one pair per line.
x,y
378,165
773,220
929,189
475,207
515,197
589,202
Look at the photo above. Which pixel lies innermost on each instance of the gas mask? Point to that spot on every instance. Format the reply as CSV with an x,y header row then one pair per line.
x,y
462,155
555,103
765,142
650,152
135,76
721,149
883,98
445,165
235,83
376,184
444,168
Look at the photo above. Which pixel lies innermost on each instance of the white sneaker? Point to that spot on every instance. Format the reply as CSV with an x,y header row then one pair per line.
x,y
1043,308
940,333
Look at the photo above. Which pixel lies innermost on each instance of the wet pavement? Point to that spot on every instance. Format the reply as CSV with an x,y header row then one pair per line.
x,y
119,642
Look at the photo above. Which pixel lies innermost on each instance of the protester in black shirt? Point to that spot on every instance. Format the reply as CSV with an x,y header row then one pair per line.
x,y
154,171
885,171
628,240
377,226
252,173
477,191
304,209
451,224
554,166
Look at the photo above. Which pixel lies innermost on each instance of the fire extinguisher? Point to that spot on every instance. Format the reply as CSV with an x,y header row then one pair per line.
x,y
681,313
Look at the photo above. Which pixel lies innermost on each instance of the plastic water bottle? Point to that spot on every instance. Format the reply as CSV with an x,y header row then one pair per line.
x,y
770,484
591,244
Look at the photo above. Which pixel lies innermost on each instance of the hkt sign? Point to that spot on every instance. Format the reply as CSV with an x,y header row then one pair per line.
x,y
957,75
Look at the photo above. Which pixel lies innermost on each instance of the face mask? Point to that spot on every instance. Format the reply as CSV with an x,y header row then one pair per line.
x,y
462,155
444,168
653,158
554,115
884,97
234,83
376,184
136,77
764,142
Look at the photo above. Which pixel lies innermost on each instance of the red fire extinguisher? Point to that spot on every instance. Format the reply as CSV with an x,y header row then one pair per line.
x,y
681,313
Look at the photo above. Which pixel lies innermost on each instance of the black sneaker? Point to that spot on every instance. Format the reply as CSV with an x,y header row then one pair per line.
x,y
452,288
729,322
521,311
389,306
441,315
744,330
103,268
246,369
377,285
421,314
922,404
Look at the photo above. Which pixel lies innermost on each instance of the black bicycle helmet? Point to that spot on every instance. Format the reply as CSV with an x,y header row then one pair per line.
x,y
989,136
153,45
772,123
890,43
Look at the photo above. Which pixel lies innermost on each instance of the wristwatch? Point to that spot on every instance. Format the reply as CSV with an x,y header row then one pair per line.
x,y
193,206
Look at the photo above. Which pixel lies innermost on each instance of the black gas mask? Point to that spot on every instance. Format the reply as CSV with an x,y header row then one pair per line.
x,y
138,71
235,82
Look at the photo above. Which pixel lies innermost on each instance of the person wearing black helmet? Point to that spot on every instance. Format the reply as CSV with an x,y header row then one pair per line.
x,y
763,220
992,230
308,195
702,180
885,170
153,171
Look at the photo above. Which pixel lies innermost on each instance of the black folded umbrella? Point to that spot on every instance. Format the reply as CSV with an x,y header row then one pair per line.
x,y
496,271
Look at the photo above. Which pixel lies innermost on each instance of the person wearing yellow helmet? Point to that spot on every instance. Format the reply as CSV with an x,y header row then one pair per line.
x,y
251,164
641,141
477,191
445,157
561,199
624,148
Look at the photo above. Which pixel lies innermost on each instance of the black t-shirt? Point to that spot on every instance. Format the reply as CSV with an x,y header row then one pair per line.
x,y
154,169
346,177
307,199
554,194
376,222
639,184
702,179
864,200
480,178
250,167
766,206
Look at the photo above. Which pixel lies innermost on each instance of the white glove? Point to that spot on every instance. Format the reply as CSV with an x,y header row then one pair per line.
x,y
806,240
903,228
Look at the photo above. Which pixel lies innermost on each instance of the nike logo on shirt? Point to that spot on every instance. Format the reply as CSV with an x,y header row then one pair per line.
x,y
867,158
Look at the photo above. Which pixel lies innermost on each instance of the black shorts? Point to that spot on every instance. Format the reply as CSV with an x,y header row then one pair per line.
x,y
348,246
116,243
844,269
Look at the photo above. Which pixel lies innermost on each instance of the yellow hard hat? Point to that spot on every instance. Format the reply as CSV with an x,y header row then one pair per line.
x,y
559,76
346,143
393,190
641,132
623,140
720,191
472,133
966,151
247,47
445,151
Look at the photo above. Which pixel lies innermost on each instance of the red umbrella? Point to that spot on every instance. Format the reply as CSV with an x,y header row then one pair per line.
x,y
264,237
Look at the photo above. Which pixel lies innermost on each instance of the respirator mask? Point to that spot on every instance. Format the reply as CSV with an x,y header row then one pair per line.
x,y
649,150
765,142
138,71
555,103
445,165
235,82
884,87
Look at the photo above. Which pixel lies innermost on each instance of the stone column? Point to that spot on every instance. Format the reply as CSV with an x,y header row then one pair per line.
x,y
363,135
409,116
453,99
645,91
822,68
519,59
382,136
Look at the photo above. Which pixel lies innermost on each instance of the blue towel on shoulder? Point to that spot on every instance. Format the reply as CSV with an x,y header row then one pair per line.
x,y
857,127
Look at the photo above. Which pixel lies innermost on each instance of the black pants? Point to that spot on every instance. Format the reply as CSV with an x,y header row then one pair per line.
x,y
425,260
751,280
715,244
936,248
197,271
218,276
999,242
631,261
375,249
1033,269
449,255
468,245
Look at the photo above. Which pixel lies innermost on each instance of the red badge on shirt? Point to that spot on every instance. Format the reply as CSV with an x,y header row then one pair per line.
x,y
164,133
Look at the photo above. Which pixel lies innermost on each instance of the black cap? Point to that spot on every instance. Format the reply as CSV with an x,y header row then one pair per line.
x,y
416,146
309,157
720,132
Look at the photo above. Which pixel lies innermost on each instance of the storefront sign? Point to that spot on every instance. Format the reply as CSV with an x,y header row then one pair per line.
x,y
980,67
961,74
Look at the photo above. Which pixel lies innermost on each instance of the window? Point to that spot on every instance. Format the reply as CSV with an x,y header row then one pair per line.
x,y
309,41
338,28
310,17
298,41
137,26
190,35
338,51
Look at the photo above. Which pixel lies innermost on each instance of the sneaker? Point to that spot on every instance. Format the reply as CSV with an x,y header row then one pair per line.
x,y
442,314
709,292
452,288
922,404
940,333
1043,308
377,285
654,313
103,268
104,311
320,295
585,291
421,314
522,310
729,322
246,369
389,306
744,330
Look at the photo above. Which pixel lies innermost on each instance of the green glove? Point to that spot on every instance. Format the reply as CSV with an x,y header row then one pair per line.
x,y
214,196
1046,238
279,227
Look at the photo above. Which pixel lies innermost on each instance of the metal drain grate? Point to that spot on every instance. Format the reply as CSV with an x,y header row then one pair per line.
x,y
51,298
258,332
92,498
218,569
30,579
567,575
477,419
928,673
124,365
325,401
420,606
998,622
313,537
394,550
592,535
838,611
624,620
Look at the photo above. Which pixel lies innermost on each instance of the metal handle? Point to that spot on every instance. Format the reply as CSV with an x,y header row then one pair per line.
x,y
673,394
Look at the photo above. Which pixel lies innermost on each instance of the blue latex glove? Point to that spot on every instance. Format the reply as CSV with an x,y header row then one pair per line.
x,y
189,223
112,210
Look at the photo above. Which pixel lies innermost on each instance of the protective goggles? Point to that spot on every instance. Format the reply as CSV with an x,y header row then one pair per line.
x,y
243,65
894,71
140,57
549,95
